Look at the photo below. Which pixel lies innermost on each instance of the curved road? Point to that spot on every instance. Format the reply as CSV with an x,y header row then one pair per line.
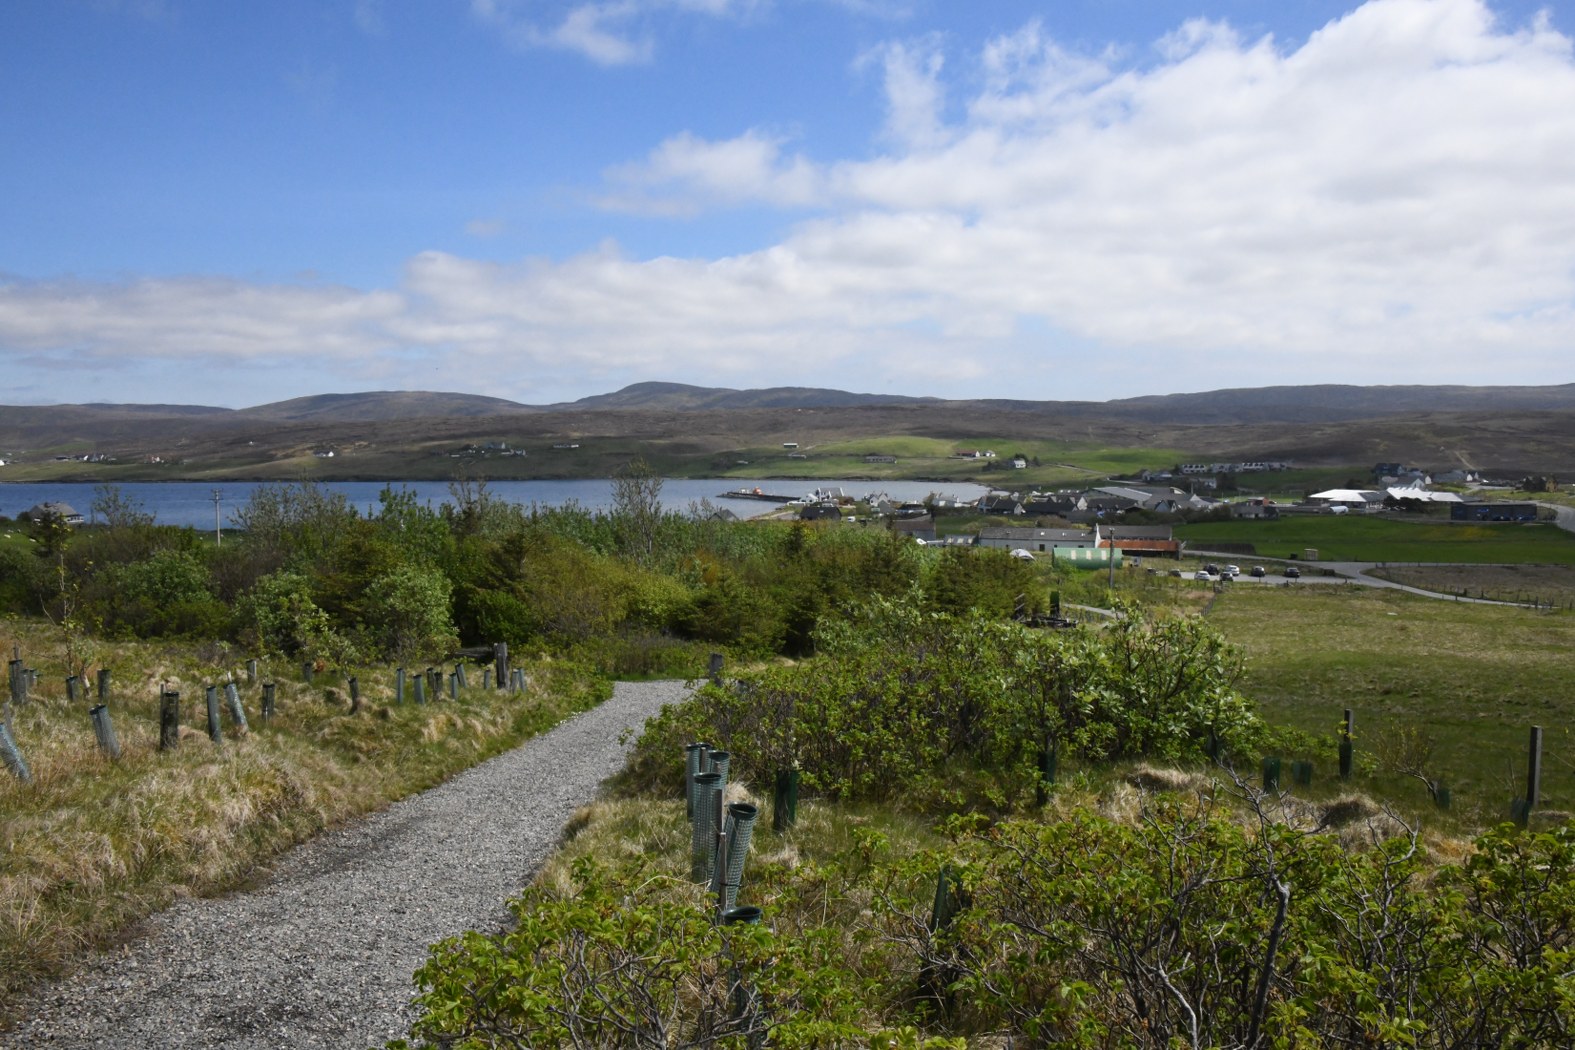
x,y
321,955
1350,572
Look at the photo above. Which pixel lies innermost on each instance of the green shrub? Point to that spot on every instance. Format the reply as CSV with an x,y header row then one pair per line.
x,y
897,694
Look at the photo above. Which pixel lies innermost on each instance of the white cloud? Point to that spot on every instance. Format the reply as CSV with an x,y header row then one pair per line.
x,y
608,32
750,167
201,321
1391,200
914,94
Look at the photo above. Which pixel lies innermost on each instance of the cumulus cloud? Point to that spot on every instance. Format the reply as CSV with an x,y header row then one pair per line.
x,y
750,167
914,94
1390,200
203,322
1397,185
608,32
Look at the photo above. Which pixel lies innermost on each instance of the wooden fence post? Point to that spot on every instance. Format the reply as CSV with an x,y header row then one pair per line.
x,y
1534,768
1347,752
355,694
500,659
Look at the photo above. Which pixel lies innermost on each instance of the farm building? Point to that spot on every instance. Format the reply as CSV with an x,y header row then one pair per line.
x,y
1480,511
1152,540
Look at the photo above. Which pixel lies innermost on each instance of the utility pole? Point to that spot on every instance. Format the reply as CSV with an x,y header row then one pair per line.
x,y
218,534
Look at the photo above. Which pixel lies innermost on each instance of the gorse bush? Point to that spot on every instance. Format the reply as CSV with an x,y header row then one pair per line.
x,y
897,694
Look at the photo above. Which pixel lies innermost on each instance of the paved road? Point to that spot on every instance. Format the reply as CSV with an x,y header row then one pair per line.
x,y
1348,572
322,954
1563,517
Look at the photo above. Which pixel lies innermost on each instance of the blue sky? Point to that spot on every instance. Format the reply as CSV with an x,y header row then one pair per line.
x,y
230,204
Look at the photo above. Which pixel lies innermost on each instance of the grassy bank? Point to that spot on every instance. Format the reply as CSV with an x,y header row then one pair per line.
x,y
92,844
1551,585
1451,688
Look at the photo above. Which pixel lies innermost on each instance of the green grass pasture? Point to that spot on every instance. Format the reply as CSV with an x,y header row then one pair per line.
x,y
1353,537
1473,677
1060,462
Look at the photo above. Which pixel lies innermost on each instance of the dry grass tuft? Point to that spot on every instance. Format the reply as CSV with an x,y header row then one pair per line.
x,y
93,845
1174,781
1347,810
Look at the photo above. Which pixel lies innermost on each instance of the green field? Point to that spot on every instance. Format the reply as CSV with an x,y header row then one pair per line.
x,y
1473,677
1360,538
1059,463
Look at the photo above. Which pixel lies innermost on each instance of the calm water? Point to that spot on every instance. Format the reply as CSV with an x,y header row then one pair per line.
x,y
191,503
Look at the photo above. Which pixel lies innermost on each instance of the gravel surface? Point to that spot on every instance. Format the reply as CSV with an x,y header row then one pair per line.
x,y
321,955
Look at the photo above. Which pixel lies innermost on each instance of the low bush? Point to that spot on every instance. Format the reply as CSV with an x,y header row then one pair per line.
x,y
897,695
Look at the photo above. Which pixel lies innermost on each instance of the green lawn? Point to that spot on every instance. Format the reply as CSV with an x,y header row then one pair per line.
x,y
1474,677
1360,538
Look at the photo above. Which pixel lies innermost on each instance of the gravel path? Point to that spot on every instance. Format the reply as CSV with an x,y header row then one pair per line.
x,y
322,954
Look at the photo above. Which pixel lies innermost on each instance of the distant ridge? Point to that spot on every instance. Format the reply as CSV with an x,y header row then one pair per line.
x,y
1320,403
378,405
680,397
702,430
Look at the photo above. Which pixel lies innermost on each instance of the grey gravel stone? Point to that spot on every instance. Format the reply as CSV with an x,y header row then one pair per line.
x,y
321,954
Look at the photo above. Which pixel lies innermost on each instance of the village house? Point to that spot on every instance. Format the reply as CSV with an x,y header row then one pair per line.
x,y
1147,540
1255,508
1000,503
44,511
820,512
920,529
1010,539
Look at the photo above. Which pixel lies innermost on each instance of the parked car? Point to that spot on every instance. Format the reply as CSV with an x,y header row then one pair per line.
x,y
1212,569
1232,571
1204,576
1259,571
1292,573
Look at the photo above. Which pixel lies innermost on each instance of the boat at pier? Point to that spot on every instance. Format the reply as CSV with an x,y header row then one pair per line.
x,y
756,493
